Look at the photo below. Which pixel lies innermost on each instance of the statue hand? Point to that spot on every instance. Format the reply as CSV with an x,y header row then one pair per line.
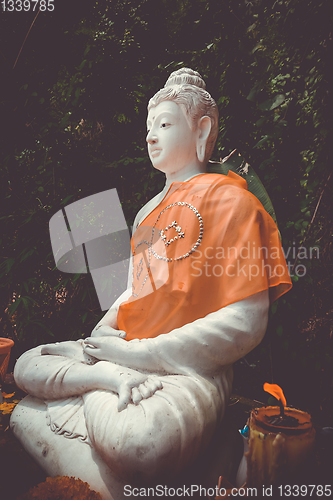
x,y
106,330
133,388
70,349
107,348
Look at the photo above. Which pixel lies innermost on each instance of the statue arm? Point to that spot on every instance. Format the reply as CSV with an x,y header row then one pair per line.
x,y
108,323
219,339
53,376
203,346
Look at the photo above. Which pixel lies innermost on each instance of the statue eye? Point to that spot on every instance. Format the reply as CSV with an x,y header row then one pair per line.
x,y
163,125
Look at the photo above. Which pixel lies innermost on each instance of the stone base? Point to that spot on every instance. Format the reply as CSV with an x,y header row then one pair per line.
x,y
58,455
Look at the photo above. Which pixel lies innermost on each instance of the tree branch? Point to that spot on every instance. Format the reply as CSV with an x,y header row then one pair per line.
x,y
26,38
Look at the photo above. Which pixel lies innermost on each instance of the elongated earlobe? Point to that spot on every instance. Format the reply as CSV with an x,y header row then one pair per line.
x,y
201,152
204,128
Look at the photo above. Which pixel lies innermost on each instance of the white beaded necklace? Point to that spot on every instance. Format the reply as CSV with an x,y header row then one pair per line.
x,y
180,234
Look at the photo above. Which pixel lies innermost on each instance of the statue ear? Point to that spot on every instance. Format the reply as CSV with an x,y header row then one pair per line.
x,y
204,128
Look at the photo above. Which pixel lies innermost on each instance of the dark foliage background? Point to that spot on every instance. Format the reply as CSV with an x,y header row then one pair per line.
x,y
74,89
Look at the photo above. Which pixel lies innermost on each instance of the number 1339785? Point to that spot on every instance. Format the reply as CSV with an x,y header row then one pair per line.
x,y
27,5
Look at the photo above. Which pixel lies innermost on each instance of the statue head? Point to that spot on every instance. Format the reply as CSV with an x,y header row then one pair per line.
x,y
186,88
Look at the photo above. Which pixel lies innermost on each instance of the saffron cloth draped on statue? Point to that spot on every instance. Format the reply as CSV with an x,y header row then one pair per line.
x,y
208,244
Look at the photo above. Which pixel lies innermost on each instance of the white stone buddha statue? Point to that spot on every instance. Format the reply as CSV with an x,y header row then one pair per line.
x,y
142,397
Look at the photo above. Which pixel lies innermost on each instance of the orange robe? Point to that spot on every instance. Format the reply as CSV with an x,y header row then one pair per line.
x,y
208,244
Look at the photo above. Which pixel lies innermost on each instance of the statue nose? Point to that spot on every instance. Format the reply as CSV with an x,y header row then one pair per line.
x,y
151,138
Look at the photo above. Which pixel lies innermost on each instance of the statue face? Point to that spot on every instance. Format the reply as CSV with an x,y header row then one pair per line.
x,y
171,141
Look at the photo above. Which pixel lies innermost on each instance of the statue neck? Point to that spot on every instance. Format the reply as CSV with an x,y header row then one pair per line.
x,y
184,175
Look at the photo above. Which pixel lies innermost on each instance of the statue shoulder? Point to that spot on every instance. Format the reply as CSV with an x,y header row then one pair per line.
x,y
217,180
233,191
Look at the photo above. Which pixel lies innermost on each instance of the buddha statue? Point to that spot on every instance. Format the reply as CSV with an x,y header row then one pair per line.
x,y
142,397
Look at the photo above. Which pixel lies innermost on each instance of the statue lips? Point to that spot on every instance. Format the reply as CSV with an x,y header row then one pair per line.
x,y
155,152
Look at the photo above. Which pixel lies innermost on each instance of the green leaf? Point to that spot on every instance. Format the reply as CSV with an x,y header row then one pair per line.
x,y
12,308
262,141
8,264
272,103
63,202
64,121
279,330
25,303
250,28
29,218
257,47
253,93
237,164
274,307
260,122
26,255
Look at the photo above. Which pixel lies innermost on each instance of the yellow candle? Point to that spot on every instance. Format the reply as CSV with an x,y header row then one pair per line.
x,y
277,447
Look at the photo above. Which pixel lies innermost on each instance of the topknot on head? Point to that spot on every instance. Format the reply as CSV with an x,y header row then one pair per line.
x,y
185,76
